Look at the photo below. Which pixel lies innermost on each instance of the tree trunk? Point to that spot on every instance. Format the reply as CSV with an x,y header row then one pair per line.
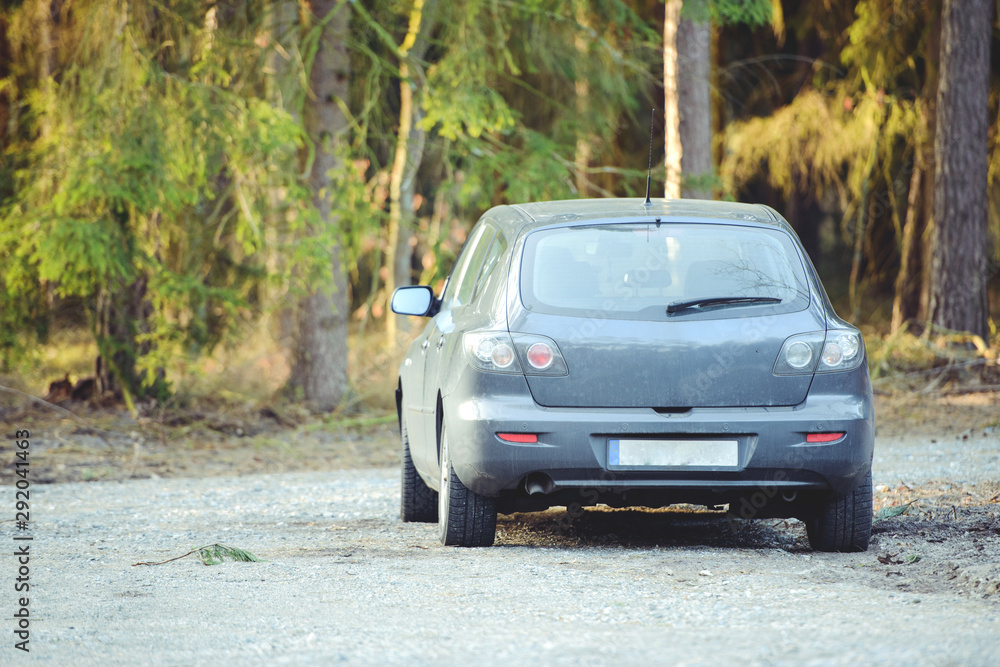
x,y
906,301
122,318
581,89
687,105
409,153
671,104
43,18
407,191
958,298
319,366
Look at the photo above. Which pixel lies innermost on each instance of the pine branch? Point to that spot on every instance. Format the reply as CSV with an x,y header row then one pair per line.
x,y
891,512
211,554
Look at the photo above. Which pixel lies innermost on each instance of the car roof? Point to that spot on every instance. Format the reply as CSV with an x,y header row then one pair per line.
x,y
540,214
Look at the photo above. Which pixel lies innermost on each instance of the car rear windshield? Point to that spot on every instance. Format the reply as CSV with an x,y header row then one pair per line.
x,y
638,270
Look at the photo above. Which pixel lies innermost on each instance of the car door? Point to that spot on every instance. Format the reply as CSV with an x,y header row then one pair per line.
x,y
456,297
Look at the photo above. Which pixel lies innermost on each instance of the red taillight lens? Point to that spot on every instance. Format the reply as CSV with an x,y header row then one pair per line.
x,y
518,437
540,356
824,437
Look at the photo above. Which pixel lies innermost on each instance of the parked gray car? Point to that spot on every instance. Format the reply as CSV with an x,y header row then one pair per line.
x,y
619,352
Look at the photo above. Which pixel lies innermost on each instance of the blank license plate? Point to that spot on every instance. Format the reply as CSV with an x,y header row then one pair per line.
x,y
674,453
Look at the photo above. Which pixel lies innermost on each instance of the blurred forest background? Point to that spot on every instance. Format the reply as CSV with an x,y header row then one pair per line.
x,y
207,199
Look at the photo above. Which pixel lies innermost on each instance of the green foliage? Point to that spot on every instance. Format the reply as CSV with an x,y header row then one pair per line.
x,y
462,103
887,39
815,143
846,140
538,57
506,160
215,554
152,167
753,13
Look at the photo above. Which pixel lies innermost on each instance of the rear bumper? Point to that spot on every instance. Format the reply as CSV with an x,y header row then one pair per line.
x,y
572,450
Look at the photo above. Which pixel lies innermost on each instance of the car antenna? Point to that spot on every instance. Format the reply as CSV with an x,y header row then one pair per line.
x,y
649,171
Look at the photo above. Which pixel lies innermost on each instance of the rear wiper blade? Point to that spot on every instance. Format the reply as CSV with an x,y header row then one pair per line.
x,y
678,306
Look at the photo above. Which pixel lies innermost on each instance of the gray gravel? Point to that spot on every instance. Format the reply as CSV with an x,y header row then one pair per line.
x,y
345,580
973,456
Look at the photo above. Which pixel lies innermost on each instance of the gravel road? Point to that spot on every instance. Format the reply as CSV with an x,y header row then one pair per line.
x,y
345,580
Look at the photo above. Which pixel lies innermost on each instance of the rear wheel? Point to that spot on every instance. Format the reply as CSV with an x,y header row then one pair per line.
x,y
843,523
418,501
466,519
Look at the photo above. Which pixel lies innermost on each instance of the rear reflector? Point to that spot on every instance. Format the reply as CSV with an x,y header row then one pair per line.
x,y
518,437
824,437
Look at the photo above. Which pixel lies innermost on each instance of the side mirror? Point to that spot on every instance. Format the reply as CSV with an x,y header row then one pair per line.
x,y
415,300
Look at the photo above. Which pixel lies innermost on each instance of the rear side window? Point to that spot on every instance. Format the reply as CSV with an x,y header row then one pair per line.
x,y
466,271
634,271
488,276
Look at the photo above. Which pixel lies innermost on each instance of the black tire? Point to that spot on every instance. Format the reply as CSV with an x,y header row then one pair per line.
x,y
843,523
465,518
418,502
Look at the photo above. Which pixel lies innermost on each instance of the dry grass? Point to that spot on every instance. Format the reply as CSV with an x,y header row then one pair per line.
x,y
934,361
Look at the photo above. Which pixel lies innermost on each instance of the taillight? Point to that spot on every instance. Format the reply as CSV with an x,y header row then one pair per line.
x,y
842,350
500,352
492,351
820,352
502,355
539,356
799,355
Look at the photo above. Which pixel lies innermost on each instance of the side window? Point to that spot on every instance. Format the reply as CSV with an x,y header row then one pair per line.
x,y
463,276
488,275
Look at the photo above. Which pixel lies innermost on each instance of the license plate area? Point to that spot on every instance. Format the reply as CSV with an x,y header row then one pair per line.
x,y
673,454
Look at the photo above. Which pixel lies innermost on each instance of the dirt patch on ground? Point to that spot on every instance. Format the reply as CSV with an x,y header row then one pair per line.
x,y
947,538
109,445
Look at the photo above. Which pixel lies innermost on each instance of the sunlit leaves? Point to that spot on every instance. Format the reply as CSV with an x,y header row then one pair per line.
x,y
459,102
753,13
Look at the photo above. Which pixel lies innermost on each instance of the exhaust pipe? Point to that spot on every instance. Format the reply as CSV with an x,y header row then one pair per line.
x,y
789,496
534,488
537,483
